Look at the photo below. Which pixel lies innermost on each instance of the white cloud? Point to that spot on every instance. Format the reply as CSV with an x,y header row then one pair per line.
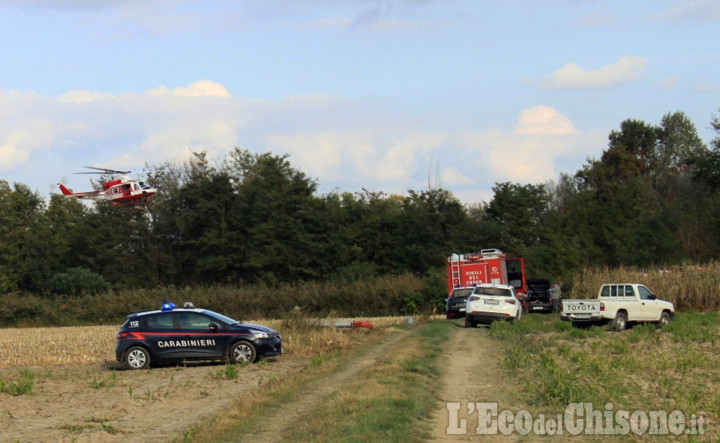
x,y
26,126
399,160
202,88
451,176
341,144
705,87
82,96
691,11
358,158
667,84
17,146
543,120
11,154
573,76
322,152
543,143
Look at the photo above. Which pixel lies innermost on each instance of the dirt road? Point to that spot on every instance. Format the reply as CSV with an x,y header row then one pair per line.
x,y
321,390
473,374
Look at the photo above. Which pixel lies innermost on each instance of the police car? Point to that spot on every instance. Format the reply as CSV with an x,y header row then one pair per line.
x,y
174,334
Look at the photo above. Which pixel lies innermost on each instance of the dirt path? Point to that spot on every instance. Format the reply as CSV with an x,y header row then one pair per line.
x,y
319,390
473,374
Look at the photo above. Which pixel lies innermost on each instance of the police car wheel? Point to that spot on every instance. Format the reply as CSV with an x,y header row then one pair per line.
x,y
242,352
137,357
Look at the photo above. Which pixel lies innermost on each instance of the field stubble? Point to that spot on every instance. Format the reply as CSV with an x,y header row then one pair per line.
x,y
78,345
63,384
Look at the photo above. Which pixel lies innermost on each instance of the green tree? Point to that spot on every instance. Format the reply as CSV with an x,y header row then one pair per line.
x,y
618,204
699,231
428,224
23,233
678,143
116,245
209,247
66,222
517,213
706,163
278,222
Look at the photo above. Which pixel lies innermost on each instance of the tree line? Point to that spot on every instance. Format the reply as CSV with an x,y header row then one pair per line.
x,y
651,199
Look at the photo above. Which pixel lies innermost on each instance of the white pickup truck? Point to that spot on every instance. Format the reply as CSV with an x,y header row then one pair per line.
x,y
618,304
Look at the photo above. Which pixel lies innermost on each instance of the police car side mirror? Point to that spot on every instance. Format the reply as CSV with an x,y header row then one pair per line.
x,y
213,327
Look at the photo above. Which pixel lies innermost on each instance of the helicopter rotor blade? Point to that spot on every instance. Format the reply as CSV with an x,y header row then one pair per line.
x,y
102,171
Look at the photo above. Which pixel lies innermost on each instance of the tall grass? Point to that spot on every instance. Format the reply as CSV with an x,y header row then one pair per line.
x,y
689,287
642,368
380,296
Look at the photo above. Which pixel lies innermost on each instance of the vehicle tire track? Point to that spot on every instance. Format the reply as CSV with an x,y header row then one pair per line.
x,y
472,374
277,424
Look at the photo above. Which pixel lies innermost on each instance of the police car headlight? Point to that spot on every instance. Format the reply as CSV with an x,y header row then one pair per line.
x,y
259,334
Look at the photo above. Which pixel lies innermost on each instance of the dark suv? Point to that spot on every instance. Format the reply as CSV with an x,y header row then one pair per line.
x,y
455,303
184,334
539,297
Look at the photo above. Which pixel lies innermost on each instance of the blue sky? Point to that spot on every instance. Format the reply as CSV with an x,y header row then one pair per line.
x,y
389,96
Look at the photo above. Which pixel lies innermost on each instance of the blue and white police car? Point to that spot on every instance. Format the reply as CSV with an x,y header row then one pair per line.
x,y
174,334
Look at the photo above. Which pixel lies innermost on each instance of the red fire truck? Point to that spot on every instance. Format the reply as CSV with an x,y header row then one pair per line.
x,y
486,266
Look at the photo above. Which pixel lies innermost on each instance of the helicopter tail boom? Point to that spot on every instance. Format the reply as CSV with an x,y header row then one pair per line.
x,y
69,193
65,190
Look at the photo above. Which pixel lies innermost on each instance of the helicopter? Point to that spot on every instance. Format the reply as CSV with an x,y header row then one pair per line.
x,y
123,191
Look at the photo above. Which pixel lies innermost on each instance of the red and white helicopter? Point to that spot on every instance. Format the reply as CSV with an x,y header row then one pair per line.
x,y
123,191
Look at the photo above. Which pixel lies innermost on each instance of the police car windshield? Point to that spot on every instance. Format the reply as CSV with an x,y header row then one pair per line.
x,y
221,318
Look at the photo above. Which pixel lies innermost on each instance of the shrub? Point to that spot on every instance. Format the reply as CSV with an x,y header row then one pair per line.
x,y
77,281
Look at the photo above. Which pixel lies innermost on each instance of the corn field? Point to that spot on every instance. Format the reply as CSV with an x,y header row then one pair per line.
x,y
695,288
29,347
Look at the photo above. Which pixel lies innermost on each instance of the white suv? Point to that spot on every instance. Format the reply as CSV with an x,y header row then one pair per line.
x,y
488,303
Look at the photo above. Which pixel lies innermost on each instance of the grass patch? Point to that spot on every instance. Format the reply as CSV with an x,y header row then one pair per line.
x,y
22,386
644,368
107,382
103,422
390,400
228,372
91,424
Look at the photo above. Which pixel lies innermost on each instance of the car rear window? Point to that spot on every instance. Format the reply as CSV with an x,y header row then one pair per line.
x,y
461,292
495,292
